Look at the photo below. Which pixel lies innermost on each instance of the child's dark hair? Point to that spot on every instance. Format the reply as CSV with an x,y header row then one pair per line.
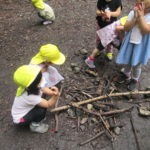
x,y
33,89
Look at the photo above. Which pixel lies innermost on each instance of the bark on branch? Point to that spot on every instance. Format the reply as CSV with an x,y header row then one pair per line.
x,y
99,98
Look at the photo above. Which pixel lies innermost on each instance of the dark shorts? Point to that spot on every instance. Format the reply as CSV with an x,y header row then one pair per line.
x,y
35,115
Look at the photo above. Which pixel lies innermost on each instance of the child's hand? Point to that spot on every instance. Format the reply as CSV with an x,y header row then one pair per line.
x,y
54,90
108,15
140,11
99,12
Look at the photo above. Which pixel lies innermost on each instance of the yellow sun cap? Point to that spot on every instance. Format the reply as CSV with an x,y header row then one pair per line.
x,y
38,4
123,20
24,76
50,53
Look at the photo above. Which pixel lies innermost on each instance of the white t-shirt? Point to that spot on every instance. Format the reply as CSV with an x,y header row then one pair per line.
x,y
23,104
136,35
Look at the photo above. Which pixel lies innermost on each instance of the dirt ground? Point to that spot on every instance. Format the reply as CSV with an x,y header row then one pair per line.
x,y
21,36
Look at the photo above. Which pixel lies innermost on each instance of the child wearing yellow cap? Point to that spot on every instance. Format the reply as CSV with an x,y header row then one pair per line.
x,y
49,54
44,11
29,108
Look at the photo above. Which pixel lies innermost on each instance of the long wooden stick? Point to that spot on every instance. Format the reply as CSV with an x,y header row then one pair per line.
x,y
134,131
56,115
99,98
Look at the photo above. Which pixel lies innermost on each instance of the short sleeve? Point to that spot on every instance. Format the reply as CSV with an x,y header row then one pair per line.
x,y
130,15
99,4
33,99
119,4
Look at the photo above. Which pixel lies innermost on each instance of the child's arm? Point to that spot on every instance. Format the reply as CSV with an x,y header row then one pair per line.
x,y
114,13
99,12
49,103
50,91
52,101
130,24
144,27
120,28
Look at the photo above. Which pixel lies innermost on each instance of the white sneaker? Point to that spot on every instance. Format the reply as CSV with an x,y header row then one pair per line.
x,y
39,127
90,63
47,22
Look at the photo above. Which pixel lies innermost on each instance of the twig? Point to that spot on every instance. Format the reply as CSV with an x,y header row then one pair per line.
x,y
56,114
107,128
98,114
134,131
91,139
117,111
78,124
100,98
90,96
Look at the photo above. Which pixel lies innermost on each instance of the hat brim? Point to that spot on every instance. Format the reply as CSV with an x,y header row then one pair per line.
x,y
37,59
60,60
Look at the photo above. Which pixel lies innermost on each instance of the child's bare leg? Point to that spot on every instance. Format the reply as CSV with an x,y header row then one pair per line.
x,y
94,53
90,60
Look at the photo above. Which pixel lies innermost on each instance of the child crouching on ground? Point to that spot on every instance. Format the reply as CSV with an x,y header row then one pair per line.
x,y
44,11
29,108
48,55
135,51
107,12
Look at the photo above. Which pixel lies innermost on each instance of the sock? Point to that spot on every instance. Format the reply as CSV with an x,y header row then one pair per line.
x,y
91,58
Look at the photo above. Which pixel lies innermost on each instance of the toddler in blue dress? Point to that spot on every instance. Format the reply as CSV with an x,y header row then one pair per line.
x,y
135,51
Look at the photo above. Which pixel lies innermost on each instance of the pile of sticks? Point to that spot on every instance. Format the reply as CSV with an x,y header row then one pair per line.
x,y
101,115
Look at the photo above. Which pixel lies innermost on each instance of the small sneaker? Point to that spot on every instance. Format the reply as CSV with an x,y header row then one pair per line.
x,y
123,79
90,63
47,22
133,85
109,56
39,127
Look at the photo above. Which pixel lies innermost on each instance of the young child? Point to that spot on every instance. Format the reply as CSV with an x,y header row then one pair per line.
x,y
134,51
29,108
49,54
107,12
44,11
112,33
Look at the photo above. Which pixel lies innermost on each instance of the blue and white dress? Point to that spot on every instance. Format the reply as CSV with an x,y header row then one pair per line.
x,y
135,47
